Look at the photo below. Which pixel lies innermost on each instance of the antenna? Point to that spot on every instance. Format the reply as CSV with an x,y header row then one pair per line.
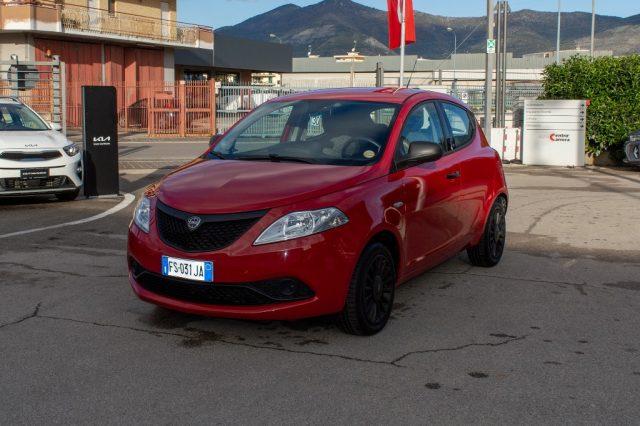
x,y
412,71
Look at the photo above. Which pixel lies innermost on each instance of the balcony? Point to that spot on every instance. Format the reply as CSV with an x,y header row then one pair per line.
x,y
29,15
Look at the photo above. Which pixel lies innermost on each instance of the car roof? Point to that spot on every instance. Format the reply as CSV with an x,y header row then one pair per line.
x,y
394,95
9,100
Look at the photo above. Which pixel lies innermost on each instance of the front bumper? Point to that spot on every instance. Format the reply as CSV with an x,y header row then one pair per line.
x,y
64,175
249,279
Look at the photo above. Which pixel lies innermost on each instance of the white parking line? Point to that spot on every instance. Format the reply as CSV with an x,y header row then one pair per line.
x,y
128,199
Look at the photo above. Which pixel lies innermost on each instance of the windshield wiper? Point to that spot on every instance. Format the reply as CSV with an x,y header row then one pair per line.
x,y
217,154
275,158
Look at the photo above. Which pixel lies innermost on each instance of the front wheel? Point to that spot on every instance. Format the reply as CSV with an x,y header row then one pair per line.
x,y
489,250
370,298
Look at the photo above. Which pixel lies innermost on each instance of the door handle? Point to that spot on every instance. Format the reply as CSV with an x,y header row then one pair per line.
x,y
453,175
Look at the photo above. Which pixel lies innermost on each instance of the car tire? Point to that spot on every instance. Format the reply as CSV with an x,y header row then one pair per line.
x,y
489,250
68,196
370,298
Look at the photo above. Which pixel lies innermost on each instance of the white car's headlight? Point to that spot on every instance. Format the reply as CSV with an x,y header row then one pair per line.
x,y
142,214
72,149
302,224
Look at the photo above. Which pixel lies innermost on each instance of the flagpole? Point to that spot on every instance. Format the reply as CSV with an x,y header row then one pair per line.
x,y
403,33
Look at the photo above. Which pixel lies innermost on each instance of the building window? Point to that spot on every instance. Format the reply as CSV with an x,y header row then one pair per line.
x,y
112,6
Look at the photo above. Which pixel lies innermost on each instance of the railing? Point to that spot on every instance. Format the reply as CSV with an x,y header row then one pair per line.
x,y
37,84
100,21
103,22
175,109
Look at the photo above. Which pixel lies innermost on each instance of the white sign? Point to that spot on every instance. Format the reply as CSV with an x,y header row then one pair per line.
x,y
491,45
554,133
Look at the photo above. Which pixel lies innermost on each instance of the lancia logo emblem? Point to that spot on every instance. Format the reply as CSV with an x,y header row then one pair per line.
x,y
193,223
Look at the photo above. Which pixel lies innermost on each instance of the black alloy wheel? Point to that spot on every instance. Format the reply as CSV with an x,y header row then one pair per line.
x,y
491,247
371,292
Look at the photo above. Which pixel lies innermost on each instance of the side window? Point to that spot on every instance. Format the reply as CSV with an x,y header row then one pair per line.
x,y
459,122
422,125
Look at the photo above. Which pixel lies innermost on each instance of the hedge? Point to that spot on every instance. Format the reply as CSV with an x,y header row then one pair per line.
x,y
613,87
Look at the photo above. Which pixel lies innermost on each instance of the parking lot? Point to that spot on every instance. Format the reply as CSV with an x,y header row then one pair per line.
x,y
550,335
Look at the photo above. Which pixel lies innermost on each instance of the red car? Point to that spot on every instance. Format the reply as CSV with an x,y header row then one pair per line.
x,y
321,203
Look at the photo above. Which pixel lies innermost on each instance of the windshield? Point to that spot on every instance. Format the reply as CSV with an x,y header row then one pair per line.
x,y
336,132
17,117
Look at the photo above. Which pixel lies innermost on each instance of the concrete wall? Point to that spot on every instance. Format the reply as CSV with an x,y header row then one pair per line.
x,y
20,44
149,8
169,66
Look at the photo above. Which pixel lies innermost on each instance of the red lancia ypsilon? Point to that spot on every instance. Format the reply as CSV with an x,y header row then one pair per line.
x,y
321,203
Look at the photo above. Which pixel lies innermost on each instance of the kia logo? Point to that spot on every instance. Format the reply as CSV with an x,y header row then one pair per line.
x,y
193,223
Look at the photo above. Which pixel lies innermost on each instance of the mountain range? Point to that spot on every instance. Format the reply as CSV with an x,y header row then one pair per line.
x,y
332,26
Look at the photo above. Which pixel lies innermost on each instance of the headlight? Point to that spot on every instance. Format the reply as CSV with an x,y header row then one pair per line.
x,y
301,224
72,149
142,214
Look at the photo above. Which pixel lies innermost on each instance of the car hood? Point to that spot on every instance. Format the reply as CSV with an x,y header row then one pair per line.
x,y
228,186
32,140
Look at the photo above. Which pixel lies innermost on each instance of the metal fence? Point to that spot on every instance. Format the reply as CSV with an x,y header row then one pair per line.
x,y
174,109
37,84
235,102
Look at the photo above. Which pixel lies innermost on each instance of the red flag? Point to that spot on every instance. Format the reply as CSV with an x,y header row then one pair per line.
x,y
395,23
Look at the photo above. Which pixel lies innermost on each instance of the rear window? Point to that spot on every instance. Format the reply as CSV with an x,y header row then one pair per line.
x,y
460,123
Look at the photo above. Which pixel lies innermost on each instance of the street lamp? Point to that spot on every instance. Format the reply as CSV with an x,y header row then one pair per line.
x,y
455,52
276,37
558,32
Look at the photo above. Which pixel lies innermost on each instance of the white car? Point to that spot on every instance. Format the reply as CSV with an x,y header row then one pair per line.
x,y
35,158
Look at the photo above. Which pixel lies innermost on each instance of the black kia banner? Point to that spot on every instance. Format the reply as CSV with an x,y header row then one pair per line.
x,y
100,141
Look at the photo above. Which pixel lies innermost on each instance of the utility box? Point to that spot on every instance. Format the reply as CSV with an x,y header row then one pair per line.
x,y
554,132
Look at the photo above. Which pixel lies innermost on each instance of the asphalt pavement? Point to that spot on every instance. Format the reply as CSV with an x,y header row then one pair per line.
x,y
551,335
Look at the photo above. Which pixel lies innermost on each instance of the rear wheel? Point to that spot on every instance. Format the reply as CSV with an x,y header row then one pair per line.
x,y
370,298
68,195
489,250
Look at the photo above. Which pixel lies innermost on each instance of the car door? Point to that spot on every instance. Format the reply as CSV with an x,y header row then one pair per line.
x,y
461,125
430,191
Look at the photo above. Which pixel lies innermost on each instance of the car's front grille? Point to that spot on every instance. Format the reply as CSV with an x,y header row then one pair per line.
x,y
246,294
30,155
214,232
17,184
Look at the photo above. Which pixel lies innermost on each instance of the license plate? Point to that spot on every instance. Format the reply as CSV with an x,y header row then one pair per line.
x,y
194,270
34,173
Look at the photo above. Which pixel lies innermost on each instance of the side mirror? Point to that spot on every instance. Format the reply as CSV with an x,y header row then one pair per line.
x,y
214,139
421,152
55,126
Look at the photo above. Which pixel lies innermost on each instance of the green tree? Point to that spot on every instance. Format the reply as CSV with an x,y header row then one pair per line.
x,y
613,87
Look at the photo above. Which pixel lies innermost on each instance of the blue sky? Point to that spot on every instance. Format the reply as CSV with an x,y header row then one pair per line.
x,y
218,13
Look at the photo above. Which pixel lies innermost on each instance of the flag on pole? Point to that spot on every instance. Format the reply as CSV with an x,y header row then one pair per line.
x,y
395,23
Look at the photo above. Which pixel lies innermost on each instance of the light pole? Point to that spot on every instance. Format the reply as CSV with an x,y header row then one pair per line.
x,y
558,35
593,27
276,37
455,52
488,76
